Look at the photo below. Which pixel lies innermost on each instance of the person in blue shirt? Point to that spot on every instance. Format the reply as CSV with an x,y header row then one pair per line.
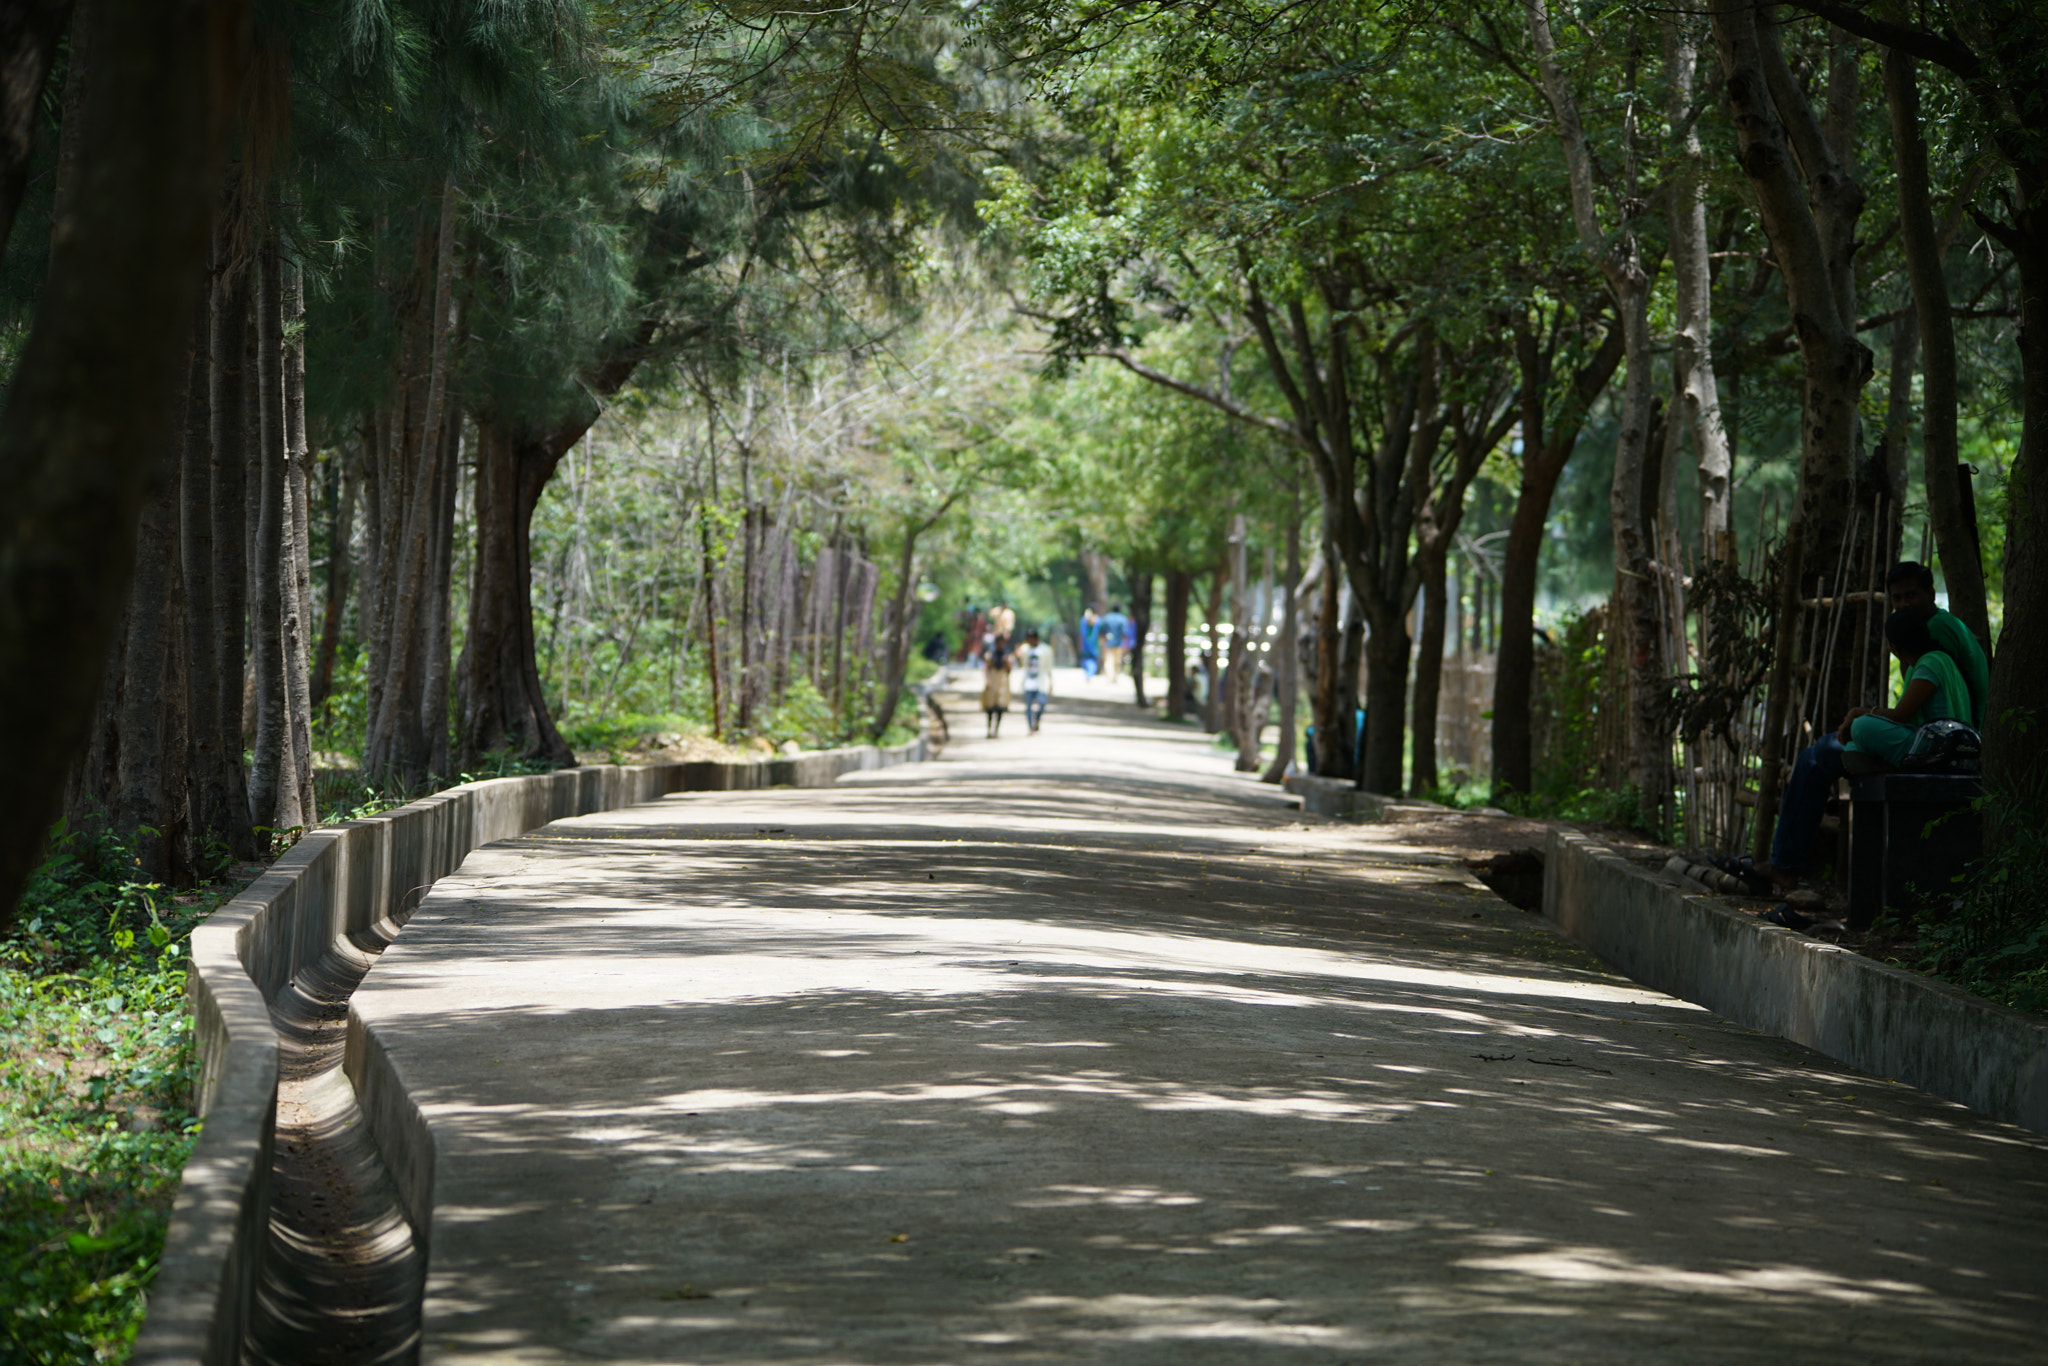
x,y
1091,647
1113,632
1869,740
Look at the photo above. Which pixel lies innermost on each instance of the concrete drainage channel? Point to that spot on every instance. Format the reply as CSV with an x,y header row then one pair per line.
x,y
290,1241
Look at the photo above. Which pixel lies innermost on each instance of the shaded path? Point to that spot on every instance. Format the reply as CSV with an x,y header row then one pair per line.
x,y
1078,1048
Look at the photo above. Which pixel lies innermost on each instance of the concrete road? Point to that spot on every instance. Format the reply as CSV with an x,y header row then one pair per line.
x,y
1078,1048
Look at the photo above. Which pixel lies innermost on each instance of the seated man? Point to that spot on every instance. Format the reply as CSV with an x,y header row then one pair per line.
x,y
1910,587
1869,740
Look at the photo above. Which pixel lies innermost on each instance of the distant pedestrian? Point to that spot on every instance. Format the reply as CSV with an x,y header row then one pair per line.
x,y
1115,634
973,621
1003,621
1091,647
1034,663
995,689
936,649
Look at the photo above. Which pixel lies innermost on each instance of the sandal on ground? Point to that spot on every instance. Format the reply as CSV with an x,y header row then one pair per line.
x,y
1786,916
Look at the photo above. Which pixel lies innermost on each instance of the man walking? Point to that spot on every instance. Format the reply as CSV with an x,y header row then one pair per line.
x,y
1114,633
1034,665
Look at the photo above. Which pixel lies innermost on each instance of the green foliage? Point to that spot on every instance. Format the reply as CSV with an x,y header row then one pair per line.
x,y
96,1069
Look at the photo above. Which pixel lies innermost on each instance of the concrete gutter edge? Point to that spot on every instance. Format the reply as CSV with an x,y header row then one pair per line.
x,y
340,890
1877,1018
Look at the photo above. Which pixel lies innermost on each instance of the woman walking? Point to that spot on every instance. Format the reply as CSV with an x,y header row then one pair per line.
x,y
995,688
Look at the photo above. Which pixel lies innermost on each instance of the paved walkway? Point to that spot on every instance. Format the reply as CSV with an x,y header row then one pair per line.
x,y
1078,1047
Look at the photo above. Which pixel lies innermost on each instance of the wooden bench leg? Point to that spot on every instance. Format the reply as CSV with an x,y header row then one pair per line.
x,y
1866,862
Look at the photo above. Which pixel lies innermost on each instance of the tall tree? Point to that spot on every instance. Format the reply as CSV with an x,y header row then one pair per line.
x,y
127,257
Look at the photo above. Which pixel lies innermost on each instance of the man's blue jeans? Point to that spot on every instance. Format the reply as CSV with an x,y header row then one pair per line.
x,y
1803,802
1034,706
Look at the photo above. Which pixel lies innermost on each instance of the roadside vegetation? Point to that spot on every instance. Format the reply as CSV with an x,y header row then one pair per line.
x,y
96,1073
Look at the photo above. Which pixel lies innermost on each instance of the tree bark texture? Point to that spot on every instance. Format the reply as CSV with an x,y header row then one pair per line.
x,y
1213,710
402,513
901,620
133,777
1637,586
1180,586
501,705
1288,681
1429,672
340,563
1692,276
1095,569
499,702
126,264
273,778
1809,205
1548,439
1955,531
228,446
29,30
298,619
1994,47
1141,627
1329,708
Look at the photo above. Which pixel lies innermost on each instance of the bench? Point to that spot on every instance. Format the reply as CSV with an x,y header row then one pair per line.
x,y
1895,860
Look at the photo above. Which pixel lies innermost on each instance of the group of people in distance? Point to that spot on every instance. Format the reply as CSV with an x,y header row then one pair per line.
x,y
1946,679
1032,662
1106,640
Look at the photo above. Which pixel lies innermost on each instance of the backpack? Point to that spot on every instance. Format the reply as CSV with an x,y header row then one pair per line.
x,y
1943,747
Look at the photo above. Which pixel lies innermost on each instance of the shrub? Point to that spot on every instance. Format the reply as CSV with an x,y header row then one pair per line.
x,y
95,1077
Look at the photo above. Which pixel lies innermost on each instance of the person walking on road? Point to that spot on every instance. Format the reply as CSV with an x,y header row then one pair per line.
x,y
1034,662
1091,647
995,689
1115,635
1002,623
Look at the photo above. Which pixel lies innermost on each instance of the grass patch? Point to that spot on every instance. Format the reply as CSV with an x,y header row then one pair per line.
x,y
96,1069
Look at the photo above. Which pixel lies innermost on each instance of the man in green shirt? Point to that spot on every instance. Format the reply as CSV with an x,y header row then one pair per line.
x,y
1910,586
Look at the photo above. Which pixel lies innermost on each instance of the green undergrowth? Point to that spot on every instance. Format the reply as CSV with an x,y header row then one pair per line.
x,y
1990,936
96,1070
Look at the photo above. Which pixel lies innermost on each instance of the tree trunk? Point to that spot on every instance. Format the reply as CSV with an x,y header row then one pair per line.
x,y
1809,204
1637,570
901,619
1692,338
1239,683
434,693
299,600
1212,670
340,561
1547,444
29,30
2018,706
396,747
1095,567
1386,647
1955,531
502,707
229,444
126,264
1141,626
1429,669
1289,680
268,786
133,776
1180,585
1333,703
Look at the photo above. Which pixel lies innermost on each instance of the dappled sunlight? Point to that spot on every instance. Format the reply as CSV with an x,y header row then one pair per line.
x,y
978,1067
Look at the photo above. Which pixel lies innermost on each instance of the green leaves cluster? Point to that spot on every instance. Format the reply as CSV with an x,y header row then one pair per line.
x,y
96,1070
